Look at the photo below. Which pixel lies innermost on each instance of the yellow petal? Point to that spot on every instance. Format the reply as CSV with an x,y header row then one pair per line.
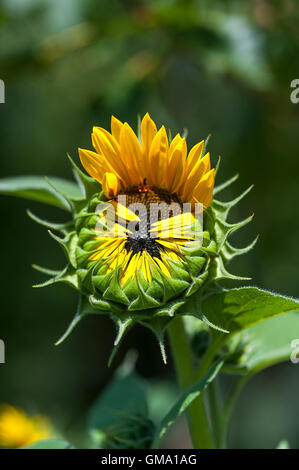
x,y
107,145
201,167
178,226
131,152
131,267
106,249
94,164
175,141
173,255
173,242
203,192
147,267
194,155
116,127
110,185
148,132
176,167
163,267
158,158
124,213
167,244
118,259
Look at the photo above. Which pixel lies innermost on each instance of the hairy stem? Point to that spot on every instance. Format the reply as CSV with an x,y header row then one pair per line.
x,y
196,414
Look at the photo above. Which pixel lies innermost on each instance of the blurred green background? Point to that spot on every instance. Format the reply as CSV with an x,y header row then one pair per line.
x,y
221,67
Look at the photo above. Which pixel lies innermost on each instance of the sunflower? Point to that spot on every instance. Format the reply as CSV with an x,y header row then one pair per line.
x,y
122,261
152,170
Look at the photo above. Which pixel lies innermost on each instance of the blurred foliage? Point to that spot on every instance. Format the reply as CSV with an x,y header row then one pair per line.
x,y
221,67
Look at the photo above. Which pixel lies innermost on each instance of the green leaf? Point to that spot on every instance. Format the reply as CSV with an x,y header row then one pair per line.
x,y
185,399
160,395
50,444
123,396
237,309
267,343
36,188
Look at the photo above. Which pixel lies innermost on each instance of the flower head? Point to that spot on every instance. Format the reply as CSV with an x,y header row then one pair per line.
x,y
147,239
17,429
158,179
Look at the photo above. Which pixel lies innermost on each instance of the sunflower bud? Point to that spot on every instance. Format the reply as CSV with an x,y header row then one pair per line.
x,y
147,240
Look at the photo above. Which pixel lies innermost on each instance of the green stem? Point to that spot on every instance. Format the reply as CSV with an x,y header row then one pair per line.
x,y
214,400
196,414
198,403
208,357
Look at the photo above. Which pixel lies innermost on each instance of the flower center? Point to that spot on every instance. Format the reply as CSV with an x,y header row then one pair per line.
x,y
150,195
159,205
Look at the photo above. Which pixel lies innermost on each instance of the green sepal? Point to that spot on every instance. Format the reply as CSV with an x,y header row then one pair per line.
x,y
218,272
88,185
84,308
68,244
50,272
172,287
82,256
196,284
156,289
224,230
229,252
76,204
85,280
171,308
123,324
114,291
105,306
193,307
158,326
63,228
68,276
220,187
65,199
223,208
143,300
195,264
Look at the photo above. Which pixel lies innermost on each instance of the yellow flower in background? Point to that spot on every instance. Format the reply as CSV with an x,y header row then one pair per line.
x,y
154,169
17,429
